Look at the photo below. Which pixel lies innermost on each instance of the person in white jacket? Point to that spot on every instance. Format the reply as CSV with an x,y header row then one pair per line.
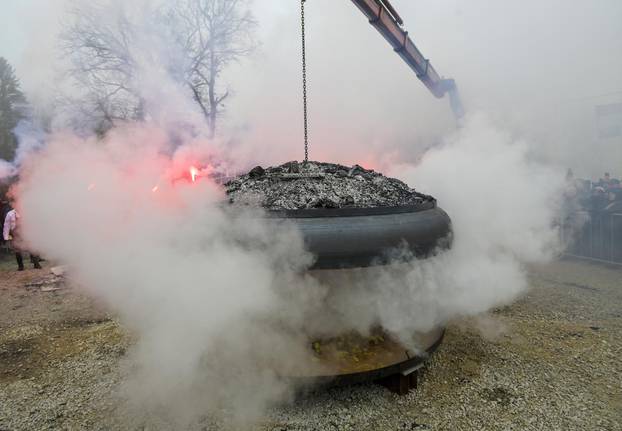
x,y
10,234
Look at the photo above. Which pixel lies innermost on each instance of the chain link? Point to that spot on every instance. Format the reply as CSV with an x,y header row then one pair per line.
x,y
304,81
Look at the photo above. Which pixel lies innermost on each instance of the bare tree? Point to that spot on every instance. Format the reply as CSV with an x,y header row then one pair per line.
x,y
208,35
101,64
214,33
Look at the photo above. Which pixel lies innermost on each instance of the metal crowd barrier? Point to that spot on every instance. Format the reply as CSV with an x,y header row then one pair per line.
x,y
593,235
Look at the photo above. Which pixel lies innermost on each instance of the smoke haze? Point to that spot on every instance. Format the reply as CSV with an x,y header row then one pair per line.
x,y
220,299
215,295
192,279
539,68
502,206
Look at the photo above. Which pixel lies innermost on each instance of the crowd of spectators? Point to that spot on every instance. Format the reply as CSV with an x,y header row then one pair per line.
x,y
602,195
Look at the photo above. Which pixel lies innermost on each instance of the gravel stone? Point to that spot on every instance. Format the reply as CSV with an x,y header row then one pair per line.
x,y
538,364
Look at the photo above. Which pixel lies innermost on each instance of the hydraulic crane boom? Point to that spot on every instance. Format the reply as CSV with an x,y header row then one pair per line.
x,y
386,20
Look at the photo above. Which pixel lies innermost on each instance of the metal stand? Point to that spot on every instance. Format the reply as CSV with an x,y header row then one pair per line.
x,y
399,383
396,369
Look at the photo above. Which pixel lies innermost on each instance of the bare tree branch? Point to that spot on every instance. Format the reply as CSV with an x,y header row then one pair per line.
x,y
215,33
208,35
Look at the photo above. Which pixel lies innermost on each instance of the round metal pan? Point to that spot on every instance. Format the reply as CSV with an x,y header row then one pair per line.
x,y
382,360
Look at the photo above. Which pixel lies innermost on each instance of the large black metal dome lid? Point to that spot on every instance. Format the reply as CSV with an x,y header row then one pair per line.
x,y
348,216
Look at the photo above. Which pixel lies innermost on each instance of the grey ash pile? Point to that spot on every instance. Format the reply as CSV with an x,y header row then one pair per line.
x,y
294,186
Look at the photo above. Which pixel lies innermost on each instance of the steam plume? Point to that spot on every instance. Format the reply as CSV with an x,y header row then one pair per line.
x,y
221,300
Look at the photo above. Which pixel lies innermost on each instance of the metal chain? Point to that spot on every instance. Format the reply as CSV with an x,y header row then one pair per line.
x,y
304,81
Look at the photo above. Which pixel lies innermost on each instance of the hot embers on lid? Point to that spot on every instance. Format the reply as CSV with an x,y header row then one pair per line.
x,y
294,186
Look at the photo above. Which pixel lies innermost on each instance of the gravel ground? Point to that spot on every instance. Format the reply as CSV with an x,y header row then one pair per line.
x,y
551,361
320,185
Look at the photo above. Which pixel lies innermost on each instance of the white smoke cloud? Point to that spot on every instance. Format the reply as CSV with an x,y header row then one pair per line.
x,y
540,78
502,206
220,300
30,138
6,169
204,288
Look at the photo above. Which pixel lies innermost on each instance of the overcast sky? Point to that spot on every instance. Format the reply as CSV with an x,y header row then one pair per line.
x,y
28,30
586,35
538,66
541,64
